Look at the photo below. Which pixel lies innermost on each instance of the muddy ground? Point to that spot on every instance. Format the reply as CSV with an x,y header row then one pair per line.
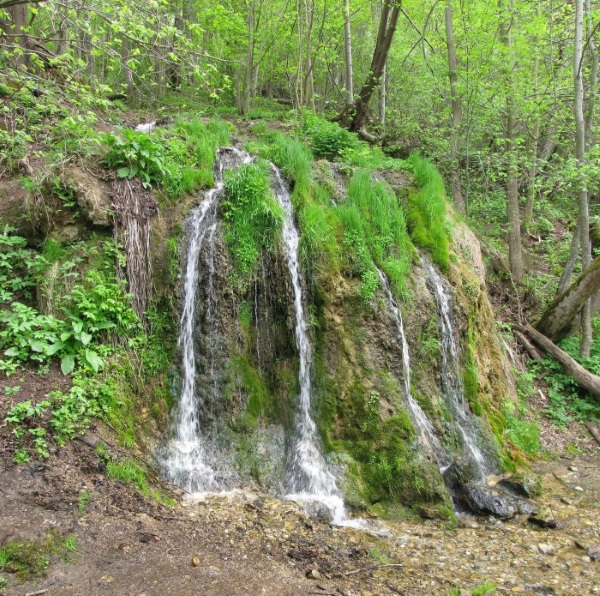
x,y
250,544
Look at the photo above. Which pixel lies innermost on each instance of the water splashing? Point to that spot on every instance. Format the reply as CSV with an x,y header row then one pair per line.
x,y
451,378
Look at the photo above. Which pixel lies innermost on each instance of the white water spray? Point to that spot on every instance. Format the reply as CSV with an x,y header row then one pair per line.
x,y
427,436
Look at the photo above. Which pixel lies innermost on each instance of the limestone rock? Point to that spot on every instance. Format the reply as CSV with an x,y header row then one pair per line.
x,y
92,198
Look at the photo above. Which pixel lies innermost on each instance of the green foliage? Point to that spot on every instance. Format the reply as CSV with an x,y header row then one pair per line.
x,y
252,216
524,434
190,150
295,160
96,310
327,139
568,402
135,153
16,264
428,224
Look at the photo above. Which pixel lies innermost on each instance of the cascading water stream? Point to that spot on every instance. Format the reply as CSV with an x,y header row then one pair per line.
x,y
308,478
186,459
451,378
427,436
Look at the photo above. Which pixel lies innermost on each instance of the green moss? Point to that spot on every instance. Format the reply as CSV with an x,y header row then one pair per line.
x,y
260,403
31,559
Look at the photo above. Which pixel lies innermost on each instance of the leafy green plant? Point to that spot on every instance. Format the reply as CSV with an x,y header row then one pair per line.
x,y
135,154
252,215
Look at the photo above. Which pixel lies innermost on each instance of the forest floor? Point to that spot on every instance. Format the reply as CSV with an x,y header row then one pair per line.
x,y
83,534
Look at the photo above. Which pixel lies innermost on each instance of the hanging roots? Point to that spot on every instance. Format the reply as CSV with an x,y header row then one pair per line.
x,y
134,209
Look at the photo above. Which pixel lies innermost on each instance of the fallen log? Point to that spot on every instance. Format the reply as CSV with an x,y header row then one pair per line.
x,y
594,431
531,349
584,378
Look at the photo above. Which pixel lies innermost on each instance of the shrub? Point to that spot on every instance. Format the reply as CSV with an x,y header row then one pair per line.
x,y
327,139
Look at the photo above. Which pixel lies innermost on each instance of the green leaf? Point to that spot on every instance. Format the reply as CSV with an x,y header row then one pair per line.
x,y
85,338
57,347
37,346
67,364
123,172
93,360
12,352
77,326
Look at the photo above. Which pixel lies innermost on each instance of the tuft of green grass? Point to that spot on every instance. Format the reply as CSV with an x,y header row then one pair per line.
x,y
428,224
484,588
295,160
130,472
253,218
375,231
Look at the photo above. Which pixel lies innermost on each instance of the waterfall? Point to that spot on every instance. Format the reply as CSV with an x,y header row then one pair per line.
x,y
308,478
452,384
186,458
427,436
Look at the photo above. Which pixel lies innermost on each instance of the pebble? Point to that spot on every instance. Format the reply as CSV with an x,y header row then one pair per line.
x,y
546,549
579,489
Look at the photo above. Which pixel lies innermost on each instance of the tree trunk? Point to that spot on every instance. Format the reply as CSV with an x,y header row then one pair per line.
x,y
584,378
515,250
456,108
557,320
565,278
348,50
16,26
387,28
382,99
584,215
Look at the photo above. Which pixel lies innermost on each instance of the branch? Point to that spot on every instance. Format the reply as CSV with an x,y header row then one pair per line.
x,y
10,3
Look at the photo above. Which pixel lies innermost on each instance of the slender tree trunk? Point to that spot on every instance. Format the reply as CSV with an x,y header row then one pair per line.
x,y
456,107
565,278
348,50
584,216
515,250
387,28
309,82
528,213
382,99
128,72
16,30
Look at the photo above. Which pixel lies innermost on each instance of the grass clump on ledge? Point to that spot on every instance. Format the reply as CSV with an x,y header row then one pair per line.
x,y
375,232
253,218
427,211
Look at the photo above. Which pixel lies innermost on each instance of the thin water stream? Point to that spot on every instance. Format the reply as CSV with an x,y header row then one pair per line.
x,y
308,478
452,383
187,461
